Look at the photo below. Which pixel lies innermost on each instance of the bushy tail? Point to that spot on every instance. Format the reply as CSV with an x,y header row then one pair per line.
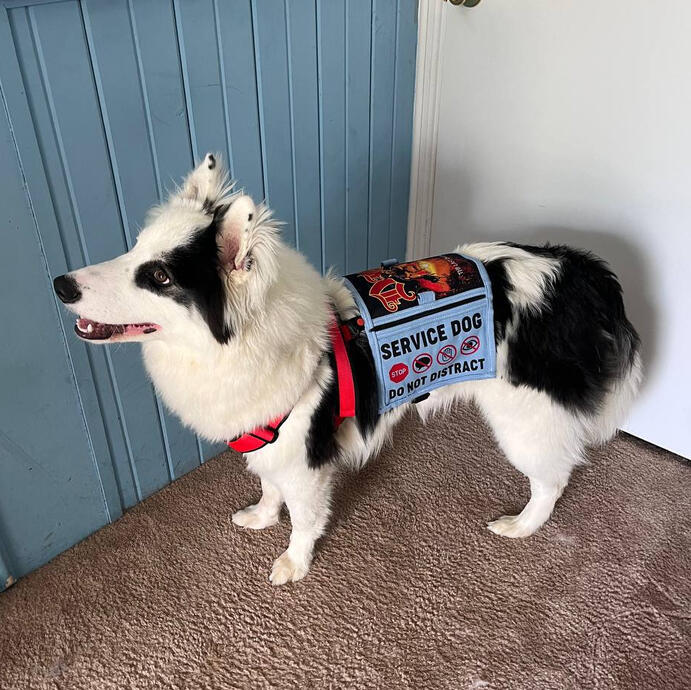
x,y
619,400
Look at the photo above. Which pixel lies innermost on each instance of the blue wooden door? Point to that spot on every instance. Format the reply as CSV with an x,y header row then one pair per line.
x,y
106,104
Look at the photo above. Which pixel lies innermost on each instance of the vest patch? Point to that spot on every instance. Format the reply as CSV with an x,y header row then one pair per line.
x,y
429,324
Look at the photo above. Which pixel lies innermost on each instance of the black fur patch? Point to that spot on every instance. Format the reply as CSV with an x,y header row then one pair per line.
x,y
195,279
500,288
364,377
321,438
580,341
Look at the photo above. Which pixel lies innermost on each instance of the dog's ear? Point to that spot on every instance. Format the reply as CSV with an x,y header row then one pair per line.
x,y
206,182
234,224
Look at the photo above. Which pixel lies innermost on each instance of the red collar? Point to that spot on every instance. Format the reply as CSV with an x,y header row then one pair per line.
x,y
263,435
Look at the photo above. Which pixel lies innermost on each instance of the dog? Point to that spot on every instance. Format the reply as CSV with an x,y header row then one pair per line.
x,y
234,326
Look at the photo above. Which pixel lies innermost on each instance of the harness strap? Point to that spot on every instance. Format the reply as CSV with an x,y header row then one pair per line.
x,y
259,437
344,375
263,435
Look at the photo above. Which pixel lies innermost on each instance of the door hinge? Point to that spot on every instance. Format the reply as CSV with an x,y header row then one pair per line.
x,y
465,3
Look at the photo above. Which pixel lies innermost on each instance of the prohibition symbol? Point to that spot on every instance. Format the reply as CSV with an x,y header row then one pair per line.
x,y
446,354
470,345
422,363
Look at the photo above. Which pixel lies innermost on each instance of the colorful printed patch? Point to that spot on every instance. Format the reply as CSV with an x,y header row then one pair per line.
x,y
390,289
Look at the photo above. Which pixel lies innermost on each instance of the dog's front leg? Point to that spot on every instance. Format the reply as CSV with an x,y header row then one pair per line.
x,y
262,514
307,494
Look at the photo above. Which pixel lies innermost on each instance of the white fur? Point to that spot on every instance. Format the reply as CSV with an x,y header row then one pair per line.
x,y
279,311
528,273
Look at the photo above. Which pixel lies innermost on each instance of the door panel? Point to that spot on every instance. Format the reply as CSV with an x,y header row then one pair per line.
x,y
51,493
107,106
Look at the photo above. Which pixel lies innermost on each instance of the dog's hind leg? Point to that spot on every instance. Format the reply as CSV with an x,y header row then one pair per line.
x,y
543,496
262,514
541,439
307,494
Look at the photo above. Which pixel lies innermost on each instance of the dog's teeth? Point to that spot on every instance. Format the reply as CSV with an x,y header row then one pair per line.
x,y
89,328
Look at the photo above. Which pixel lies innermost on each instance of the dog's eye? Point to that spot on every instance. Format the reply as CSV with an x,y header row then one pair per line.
x,y
161,277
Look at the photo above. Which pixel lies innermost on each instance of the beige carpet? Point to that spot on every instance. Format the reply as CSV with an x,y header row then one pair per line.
x,y
408,589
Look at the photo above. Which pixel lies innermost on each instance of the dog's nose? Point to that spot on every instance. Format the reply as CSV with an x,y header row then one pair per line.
x,y
66,289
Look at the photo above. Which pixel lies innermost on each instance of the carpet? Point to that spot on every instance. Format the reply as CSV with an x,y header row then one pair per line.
x,y
408,588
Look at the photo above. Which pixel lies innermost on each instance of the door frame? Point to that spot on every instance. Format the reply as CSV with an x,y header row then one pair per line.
x,y
431,35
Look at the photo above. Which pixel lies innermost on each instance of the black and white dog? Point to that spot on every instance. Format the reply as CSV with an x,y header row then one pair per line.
x,y
234,326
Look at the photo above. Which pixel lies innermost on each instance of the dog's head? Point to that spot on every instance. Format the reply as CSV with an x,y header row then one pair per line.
x,y
199,269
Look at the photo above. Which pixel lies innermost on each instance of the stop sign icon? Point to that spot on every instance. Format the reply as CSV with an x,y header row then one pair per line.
x,y
398,372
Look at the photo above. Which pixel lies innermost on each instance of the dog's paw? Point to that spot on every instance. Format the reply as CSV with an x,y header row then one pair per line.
x,y
286,570
253,517
512,526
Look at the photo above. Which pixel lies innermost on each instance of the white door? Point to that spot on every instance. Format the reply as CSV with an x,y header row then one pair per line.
x,y
571,122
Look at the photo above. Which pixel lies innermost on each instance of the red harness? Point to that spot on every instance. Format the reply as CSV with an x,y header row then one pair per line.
x,y
263,435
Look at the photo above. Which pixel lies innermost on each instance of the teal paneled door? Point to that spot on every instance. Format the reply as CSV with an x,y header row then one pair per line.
x,y
105,105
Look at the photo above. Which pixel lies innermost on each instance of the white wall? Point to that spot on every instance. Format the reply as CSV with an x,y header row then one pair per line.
x,y
571,122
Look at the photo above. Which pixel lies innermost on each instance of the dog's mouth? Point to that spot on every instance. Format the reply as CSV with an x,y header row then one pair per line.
x,y
87,329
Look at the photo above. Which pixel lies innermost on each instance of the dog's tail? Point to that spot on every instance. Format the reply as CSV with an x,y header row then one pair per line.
x,y
626,353
339,295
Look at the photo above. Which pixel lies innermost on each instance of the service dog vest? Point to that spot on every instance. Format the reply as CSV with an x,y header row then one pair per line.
x,y
429,323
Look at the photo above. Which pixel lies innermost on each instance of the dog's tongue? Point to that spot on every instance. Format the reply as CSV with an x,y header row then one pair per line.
x,y
94,330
